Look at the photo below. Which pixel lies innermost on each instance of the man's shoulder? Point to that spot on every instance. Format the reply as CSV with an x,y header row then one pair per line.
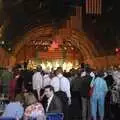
x,y
37,73
65,78
56,98
14,104
34,73
55,78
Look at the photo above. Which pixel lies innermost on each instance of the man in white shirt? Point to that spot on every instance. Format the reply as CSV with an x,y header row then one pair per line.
x,y
61,83
37,81
46,80
62,88
116,76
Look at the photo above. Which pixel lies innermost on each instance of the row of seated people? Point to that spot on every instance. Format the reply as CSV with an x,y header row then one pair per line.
x,y
26,106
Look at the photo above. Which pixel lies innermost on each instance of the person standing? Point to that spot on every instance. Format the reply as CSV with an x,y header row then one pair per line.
x,y
76,98
46,79
13,83
6,77
84,92
100,90
37,81
62,89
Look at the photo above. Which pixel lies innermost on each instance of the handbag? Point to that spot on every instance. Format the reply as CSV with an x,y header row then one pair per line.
x,y
91,89
90,92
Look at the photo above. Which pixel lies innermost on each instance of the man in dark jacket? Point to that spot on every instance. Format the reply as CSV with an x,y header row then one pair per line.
x,y
84,90
53,104
108,110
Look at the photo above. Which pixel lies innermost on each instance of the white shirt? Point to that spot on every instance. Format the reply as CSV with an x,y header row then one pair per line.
x,y
49,101
116,77
105,74
61,83
83,74
46,80
92,74
37,81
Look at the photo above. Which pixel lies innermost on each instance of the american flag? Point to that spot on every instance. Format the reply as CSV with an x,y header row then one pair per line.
x,y
93,7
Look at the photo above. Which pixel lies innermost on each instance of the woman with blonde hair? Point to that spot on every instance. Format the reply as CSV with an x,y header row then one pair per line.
x,y
34,109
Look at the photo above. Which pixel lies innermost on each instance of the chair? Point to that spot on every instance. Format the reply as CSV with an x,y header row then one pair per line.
x,y
54,116
31,118
7,118
37,118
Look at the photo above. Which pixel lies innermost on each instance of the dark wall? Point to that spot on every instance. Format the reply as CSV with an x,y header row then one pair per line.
x,y
104,30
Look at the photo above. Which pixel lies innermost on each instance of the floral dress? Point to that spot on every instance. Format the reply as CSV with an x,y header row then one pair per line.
x,y
35,110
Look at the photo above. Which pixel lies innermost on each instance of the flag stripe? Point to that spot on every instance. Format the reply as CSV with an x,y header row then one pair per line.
x,y
86,4
93,6
96,6
100,6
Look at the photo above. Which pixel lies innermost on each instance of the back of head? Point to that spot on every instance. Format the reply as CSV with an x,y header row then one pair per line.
x,y
19,98
100,73
83,74
59,70
39,68
82,65
30,99
9,69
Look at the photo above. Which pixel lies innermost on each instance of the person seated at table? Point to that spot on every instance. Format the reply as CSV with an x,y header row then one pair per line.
x,y
14,109
34,109
54,104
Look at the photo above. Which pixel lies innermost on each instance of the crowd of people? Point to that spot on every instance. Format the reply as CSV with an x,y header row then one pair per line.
x,y
82,93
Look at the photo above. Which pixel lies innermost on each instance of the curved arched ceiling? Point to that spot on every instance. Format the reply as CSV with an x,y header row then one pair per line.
x,y
45,35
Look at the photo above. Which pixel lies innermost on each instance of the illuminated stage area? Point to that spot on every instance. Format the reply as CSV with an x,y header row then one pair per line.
x,y
53,59
53,64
